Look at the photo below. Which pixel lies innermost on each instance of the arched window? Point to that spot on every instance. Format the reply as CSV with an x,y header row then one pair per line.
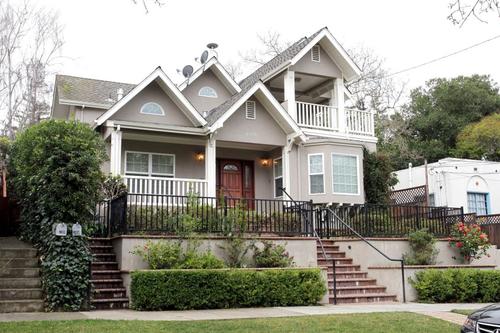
x,y
152,108
207,92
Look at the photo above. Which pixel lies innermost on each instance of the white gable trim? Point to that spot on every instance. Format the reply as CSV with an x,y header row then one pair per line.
x,y
158,73
281,117
219,71
349,68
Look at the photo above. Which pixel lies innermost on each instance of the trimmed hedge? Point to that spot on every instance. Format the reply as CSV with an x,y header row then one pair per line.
x,y
225,288
457,286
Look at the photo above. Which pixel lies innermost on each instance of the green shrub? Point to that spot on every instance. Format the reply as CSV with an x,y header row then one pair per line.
x,y
225,288
457,285
160,255
55,171
272,256
422,245
195,260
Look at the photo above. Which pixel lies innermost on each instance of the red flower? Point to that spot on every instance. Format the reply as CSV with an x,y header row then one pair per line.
x,y
483,236
459,244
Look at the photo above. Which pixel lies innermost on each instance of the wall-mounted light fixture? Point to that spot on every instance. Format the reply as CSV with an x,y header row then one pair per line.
x,y
265,162
200,156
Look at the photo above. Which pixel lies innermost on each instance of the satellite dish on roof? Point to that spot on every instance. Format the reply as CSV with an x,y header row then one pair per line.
x,y
204,57
187,71
212,46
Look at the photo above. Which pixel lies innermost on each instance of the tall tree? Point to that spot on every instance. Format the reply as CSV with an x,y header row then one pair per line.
x,y
438,111
30,43
480,140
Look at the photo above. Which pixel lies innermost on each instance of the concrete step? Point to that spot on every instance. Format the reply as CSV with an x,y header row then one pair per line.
x,y
352,282
338,261
106,274
13,294
100,257
331,254
18,262
108,304
104,265
19,272
364,298
17,253
359,290
328,247
110,293
99,241
107,283
341,267
348,275
19,283
101,249
25,305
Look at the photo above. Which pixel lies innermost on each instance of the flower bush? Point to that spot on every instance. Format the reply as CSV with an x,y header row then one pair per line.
x,y
470,241
272,256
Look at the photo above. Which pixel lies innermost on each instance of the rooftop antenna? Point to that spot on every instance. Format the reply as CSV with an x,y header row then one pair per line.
x,y
187,71
212,47
204,57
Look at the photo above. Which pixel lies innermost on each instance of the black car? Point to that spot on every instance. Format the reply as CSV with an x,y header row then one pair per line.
x,y
485,320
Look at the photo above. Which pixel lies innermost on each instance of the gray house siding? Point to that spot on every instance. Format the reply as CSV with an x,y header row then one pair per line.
x,y
202,104
326,66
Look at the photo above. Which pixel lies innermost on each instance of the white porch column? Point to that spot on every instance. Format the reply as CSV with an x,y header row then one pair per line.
x,y
285,157
338,93
210,172
116,152
289,92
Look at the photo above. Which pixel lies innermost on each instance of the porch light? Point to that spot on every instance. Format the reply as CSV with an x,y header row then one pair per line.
x,y
200,156
265,162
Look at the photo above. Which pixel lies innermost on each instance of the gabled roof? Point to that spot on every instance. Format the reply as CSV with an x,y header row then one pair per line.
x,y
72,90
220,114
166,84
218,70
297,50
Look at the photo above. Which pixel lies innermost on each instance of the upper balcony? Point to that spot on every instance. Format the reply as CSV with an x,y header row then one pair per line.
x,y
325,117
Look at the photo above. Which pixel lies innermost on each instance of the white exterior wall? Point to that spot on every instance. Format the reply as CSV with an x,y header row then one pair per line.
x,y
450,179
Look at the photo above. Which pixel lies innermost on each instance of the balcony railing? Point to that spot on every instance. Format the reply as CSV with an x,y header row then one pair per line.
x,y
360,122
325,117
317,116
165,186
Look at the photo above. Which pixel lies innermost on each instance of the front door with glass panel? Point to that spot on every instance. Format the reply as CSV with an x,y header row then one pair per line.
x,y
235,178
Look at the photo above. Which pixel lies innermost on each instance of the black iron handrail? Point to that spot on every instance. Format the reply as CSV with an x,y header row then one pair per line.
x,y
375,248
318,239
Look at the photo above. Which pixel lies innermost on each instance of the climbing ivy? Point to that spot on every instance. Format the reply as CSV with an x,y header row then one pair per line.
x,y
55,168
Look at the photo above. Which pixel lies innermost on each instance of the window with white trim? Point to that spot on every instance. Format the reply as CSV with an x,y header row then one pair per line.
x,y
278,177
316,53
207,92
152,108
148,164
345,174
316,174
250,110
477,203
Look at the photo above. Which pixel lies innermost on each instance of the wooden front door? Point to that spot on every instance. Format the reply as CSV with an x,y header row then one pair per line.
x,y
235,178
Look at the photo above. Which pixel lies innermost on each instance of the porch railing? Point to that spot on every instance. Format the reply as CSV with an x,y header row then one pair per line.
x,y
176,214
386,220
317,116
165,186
360,122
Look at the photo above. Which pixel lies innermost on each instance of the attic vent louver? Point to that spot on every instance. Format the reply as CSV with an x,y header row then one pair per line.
x,y
316,53
250,111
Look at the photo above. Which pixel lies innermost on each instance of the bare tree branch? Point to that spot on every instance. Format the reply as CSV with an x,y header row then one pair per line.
x,y
462,10
158,3
272,45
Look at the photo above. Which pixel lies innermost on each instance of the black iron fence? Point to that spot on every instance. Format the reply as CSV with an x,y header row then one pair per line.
x,y
385,220
176,214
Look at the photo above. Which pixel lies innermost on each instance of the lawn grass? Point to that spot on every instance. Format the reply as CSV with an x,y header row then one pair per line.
x,y
394,322
463,311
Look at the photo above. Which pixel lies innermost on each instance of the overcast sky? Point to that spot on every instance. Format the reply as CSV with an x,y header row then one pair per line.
x,y
116,40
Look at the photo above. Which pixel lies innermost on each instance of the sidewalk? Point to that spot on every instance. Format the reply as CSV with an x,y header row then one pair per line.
x,y
435,310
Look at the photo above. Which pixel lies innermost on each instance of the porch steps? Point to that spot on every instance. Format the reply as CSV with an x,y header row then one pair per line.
x,y
20,284
353,284
108,292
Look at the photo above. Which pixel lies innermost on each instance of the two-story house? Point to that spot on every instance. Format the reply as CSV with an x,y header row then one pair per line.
x,y
285,125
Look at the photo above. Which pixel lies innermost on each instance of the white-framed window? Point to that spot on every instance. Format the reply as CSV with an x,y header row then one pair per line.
x,y
207,92
250,110
345,174
149,164
152,108
477,203
316,53
316,173
278,177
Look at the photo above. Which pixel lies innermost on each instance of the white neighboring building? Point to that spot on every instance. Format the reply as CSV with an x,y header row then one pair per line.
x,y
454,182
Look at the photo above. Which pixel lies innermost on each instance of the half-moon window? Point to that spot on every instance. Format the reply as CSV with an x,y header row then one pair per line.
x,y
207,92
152,109
230,167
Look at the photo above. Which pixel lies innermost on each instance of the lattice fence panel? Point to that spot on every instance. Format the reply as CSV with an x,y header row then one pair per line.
x,y
409,196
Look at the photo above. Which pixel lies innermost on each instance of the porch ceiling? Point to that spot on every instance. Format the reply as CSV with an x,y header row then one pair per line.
x,y
137,135
245,146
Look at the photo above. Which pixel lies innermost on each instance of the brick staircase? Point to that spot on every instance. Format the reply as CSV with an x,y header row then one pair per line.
x,y
20,284
353,285
109,292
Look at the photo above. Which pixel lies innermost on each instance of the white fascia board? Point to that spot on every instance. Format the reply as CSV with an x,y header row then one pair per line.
x,y
221,74
157,127
336,45
82,103
337,135
191,113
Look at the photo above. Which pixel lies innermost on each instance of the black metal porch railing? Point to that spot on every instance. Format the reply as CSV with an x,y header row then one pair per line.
x,y
386,220
174,214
